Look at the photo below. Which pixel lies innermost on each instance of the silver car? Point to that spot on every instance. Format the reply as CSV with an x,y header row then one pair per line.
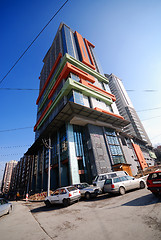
x,y
122,184
88,191
5,207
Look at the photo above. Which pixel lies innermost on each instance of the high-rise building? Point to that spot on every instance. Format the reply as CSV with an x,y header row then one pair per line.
x,y
76,129
126,109
7,176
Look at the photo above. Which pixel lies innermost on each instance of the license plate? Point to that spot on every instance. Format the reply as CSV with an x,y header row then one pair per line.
x,y
156,182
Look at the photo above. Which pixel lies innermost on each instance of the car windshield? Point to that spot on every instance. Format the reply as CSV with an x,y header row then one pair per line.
x,y
71,189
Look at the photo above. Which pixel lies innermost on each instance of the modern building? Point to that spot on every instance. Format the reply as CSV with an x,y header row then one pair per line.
x,y
7,176
77,132
135,128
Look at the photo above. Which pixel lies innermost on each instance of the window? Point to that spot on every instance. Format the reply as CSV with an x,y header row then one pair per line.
x,y
103,177
78,97
114,146
116,180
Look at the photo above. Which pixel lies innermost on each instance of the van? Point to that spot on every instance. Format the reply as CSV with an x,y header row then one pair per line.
x,y
100,178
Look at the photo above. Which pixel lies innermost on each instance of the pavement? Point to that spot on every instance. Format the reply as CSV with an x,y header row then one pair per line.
x,y
21,225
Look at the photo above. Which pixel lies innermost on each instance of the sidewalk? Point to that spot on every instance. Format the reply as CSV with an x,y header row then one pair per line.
x,y
20,225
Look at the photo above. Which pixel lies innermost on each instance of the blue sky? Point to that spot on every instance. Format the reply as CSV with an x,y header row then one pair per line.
x,y
127,37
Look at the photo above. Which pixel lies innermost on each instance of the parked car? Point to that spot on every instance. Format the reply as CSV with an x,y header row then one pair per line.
x,y
88,191
154,183
122,184
100,178
64,195
5,207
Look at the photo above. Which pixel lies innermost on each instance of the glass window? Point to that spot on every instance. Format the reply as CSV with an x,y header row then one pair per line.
x,y
116,180
123,179
114,145
69,45
71,189
103,177
108,181
78,97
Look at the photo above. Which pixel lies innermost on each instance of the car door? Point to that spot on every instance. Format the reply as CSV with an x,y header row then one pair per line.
x,y
62,194
125,182
55,197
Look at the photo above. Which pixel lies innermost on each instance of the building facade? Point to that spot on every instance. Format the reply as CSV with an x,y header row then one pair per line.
x,y
7,176
135,128
126,109
77,133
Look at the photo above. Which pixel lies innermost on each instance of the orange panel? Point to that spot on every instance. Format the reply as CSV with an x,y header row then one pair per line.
x,y
89,52
48,79
98,89
140,156
64,73
83,51
109,113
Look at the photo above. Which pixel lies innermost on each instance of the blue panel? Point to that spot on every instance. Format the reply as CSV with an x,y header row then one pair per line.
x,y
64,41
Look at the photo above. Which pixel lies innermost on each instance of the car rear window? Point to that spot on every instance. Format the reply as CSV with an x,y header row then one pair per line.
x,y
71,189
108,181
155,176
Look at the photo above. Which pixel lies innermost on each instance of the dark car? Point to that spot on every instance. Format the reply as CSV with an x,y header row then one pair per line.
x,y
154,183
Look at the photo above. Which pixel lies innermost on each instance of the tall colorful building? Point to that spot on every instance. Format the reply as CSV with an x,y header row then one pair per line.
x,y
75,112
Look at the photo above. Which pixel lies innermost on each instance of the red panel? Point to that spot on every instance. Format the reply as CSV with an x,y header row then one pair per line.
x,y
140,156
43,114
83,51
48,79
109,113
98,89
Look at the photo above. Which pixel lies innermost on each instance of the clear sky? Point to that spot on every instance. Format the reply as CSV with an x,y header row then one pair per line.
x,y
127,39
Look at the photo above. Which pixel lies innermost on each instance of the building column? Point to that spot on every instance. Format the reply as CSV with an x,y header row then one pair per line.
x,y
73,162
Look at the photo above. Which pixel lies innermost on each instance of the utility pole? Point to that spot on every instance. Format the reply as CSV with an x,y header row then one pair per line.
x,y
49,147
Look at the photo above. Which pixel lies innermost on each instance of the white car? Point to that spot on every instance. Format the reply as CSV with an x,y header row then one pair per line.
x,y
5,207
88,191
64,195
122,184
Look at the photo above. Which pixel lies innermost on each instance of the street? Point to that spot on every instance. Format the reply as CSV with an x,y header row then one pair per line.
x,y
135,215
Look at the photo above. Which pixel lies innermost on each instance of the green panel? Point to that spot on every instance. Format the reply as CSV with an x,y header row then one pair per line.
x,y
68,86
75,62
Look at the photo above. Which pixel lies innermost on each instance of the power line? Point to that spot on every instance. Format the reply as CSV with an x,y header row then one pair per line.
x,y
151,118
14,129
20,89
16,146
148,109
32,42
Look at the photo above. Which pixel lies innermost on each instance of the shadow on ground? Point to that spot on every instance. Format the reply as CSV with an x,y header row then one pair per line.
x,y
144,201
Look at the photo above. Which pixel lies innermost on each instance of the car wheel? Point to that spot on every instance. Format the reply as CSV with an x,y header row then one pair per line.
x,y
48,204
66,202
87,195
142,185
122,190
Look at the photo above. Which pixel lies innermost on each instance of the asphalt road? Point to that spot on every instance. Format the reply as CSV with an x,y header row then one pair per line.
x,y
135,215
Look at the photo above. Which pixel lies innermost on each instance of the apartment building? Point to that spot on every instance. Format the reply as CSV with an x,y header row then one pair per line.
x,y
7,176
127,110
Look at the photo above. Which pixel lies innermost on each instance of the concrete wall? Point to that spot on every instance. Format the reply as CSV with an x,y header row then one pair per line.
x,y
99,159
